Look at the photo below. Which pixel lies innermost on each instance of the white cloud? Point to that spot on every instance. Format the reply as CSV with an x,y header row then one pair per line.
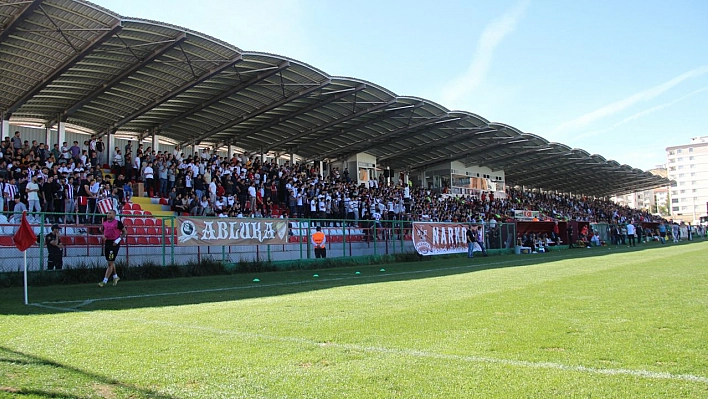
x,y
491,37
618,106
643,113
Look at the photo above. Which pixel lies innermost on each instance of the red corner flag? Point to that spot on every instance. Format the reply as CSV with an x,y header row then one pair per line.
x,y
25,237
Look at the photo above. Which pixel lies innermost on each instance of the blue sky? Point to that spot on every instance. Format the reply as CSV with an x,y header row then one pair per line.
x,y
623,79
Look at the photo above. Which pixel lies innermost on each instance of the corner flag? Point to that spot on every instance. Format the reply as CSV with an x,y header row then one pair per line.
x,y
24,237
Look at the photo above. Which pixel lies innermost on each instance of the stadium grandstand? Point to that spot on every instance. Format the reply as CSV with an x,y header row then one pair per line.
x,y
199,110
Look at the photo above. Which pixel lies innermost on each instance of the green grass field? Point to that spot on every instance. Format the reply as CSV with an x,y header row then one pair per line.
x,y
596,323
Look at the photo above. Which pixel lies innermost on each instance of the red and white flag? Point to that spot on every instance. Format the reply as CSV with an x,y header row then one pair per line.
x,y
24,237
105,205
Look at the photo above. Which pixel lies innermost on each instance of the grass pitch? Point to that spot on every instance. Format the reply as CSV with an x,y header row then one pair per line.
x,y
596,323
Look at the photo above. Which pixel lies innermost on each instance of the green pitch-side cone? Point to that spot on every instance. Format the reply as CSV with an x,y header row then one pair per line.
x,y
382,270
255,280
315,275
357,273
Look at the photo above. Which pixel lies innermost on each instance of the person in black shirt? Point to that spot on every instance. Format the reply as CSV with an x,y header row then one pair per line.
x,y
55,248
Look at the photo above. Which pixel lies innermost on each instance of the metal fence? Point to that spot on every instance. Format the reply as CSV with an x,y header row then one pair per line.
x,y
152,239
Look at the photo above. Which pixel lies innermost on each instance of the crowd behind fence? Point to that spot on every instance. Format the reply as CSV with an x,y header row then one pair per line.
x,y
153,239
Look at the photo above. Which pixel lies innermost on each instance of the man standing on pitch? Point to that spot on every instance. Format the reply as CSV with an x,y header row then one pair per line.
x,y
113,234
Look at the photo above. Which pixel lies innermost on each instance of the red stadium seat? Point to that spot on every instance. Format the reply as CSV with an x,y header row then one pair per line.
x,y
142,240
128,221
80,240
132,240
163,201
95,240
158,222
67,240
147,213
154,240
139,222
149,221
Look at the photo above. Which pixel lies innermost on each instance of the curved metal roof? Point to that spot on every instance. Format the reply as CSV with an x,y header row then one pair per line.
x,y
74,61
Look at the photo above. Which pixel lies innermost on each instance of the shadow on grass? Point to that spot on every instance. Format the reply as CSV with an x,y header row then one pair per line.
x,y
212,289
23,370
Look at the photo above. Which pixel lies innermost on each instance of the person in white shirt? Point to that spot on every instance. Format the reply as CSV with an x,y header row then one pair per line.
x,y
136,166
149,176
631,231
32,191
212,191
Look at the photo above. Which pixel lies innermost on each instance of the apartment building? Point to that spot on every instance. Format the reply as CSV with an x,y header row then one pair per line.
x,y
687,165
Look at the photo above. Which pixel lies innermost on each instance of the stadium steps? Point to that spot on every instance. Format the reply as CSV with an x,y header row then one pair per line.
x,y
153,205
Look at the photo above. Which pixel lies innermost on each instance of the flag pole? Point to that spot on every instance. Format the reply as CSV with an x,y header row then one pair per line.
x,y
26,300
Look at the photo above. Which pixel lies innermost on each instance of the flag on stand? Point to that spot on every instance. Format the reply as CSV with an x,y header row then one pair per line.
x,y
25,237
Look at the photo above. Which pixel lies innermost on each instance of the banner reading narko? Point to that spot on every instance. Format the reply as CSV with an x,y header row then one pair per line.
x,y
442,238
231,231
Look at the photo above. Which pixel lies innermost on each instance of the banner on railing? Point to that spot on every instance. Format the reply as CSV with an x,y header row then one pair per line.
x,y
442,238
231,231
525,215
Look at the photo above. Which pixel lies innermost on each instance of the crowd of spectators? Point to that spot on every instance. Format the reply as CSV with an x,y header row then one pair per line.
x,y
70,180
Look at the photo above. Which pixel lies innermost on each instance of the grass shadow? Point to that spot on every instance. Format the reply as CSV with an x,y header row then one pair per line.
x,y
196,290
22,370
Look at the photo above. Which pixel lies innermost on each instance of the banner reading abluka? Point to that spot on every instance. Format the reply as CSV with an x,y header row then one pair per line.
x,y
231,231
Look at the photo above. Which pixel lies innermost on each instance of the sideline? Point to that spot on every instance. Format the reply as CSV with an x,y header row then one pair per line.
x,y
85,302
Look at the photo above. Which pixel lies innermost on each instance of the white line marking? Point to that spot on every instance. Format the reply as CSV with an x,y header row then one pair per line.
x,y
433,355
260,285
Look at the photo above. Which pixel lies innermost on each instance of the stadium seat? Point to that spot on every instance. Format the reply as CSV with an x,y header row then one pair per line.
x,y
95,240
80,240
149,221
132,240
128,206
158,222
67,240
128,222
142,240
147,213
163,201
139,222
154,240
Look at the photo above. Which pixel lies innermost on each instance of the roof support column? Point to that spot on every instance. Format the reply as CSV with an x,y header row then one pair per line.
x,y
292,159
47,137
229,152
110,149
5,128
61,133
155,141
195,152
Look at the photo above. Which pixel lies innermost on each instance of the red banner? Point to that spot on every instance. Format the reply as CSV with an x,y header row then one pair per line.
x,y
442,238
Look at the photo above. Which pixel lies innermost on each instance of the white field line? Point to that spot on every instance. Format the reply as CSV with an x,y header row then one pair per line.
x,y
84,302
654,375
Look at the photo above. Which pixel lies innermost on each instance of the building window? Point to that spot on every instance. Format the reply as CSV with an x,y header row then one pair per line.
x,y
680,167
683,191
690,149
674,208
674,200
679,151
690,158
671,153
680,159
